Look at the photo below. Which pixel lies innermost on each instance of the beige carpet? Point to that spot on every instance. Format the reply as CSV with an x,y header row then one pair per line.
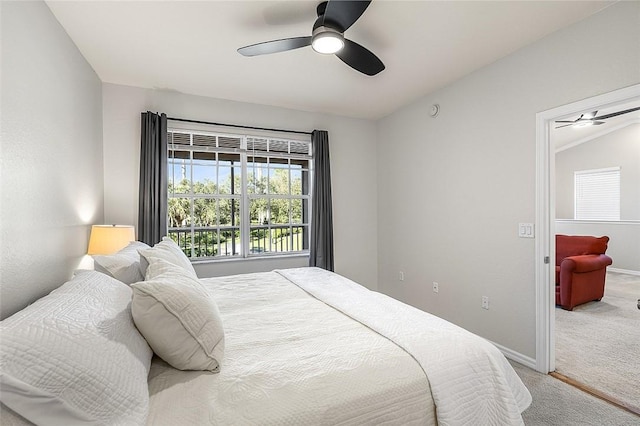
x,y
598,343
556,403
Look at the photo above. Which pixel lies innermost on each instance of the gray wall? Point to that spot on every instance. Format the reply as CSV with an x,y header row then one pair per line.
x,y
452,190
619,148
51,155
353,160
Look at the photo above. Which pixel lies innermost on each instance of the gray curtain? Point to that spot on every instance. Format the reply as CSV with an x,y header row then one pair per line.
x,y
321,250
152,206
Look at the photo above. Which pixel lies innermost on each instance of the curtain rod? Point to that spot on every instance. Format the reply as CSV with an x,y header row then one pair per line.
x,y
238,126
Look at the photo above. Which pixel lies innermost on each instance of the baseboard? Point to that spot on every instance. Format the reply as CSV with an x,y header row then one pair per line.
x,y
624,271
516,356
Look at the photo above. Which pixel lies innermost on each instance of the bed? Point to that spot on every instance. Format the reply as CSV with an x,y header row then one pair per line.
x,y
301,346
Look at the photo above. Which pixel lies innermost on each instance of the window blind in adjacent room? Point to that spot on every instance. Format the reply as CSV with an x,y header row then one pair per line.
x,y
597,194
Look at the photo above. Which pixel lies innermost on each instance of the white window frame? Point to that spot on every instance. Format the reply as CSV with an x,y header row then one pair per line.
x,y
597,194
245,226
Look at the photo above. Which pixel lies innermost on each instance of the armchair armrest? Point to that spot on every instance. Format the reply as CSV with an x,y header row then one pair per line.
x,y
585,263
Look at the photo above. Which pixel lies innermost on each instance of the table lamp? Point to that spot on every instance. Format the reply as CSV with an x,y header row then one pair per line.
x,y
108,239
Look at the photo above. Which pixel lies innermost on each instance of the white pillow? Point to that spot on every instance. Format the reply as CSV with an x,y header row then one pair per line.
x,y
123,265
75,356
178,317
168,250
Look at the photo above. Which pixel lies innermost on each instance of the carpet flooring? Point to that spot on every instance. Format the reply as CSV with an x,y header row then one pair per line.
x,y
556,403
598,343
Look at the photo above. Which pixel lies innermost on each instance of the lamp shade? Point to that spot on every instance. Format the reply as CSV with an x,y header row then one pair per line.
x,y
108,239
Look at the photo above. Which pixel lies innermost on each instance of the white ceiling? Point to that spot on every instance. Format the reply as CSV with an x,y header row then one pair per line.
x,y
190,47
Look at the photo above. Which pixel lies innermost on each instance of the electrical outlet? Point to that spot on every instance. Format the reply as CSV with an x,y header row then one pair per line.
x,y
485,302
401,276
435,287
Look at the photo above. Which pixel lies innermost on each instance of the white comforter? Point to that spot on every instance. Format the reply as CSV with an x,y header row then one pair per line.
x,y
295,359
471,381
291,360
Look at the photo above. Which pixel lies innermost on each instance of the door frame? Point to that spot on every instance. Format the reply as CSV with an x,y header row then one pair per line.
x,y
545,216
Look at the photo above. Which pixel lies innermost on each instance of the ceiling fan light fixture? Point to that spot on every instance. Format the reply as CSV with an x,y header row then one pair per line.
x,y
327,40
327,37
583,123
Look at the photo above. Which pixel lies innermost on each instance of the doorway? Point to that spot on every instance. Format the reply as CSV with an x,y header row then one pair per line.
x,y
546,213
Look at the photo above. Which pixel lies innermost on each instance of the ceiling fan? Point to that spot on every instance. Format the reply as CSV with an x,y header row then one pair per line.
x,y
334,18
591,118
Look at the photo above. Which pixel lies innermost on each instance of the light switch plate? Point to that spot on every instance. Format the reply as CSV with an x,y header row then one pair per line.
x,y
526,230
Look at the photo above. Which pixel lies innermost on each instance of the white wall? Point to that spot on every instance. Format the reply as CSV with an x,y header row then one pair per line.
x,y
353,169
620,148
51,155
452,190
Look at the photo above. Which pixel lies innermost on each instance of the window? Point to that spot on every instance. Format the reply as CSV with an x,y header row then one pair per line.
x,y
237,196
597,194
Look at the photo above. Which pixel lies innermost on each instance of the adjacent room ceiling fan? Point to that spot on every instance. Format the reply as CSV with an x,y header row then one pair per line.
x,y
334,18
591,118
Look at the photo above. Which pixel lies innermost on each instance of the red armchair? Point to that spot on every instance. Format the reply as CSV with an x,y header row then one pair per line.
x,y
581,266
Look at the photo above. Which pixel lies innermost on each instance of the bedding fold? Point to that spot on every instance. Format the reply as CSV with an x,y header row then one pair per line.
x,y
471,381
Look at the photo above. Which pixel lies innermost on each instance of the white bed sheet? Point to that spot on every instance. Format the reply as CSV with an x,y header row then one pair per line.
x,y
291,359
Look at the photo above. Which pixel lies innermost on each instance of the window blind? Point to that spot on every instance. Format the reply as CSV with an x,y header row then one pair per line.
x,y
597,194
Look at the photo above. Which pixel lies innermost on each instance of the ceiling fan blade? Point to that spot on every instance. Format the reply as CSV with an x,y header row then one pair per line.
x,y
360,58
341,14
564,125
615,114
275,46
597,123
570,121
